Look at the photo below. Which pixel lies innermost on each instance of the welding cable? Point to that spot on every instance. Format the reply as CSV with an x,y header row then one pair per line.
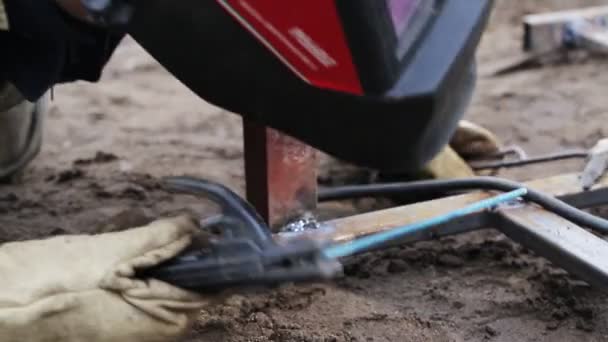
x,y
425,188
477,166
376,240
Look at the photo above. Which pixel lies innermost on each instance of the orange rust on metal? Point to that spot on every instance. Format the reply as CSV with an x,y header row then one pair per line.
x,y
352,227
281,174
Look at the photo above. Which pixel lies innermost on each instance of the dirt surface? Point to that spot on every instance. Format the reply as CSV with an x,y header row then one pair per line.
x,y
106,144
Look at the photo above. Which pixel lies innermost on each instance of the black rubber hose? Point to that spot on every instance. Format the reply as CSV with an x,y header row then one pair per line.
x,y
424,188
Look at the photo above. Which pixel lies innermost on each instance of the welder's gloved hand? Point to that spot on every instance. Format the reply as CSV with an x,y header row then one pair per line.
x,y
447,165
82,288
474,141
470,141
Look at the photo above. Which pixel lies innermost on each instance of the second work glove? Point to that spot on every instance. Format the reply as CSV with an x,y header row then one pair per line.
x,y
83,288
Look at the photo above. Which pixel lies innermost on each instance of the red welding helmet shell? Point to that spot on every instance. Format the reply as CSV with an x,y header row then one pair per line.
x,y
345,76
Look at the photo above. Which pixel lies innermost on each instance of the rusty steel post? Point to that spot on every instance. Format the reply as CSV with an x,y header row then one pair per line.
x,y
281,174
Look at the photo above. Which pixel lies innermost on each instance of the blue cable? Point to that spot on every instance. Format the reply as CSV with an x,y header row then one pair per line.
x,y
379,239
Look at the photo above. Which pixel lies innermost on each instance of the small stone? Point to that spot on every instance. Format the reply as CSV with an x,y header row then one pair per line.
x,y
397,266
584,312
68,175
578,284
96,116
505,244
364,274
519,263
469,251
262,320
125,166
560,314
450,260
236,300
351,270
584,326
391,253
57,231
126,219
491,331
458,305
101,193
412,255
10,197
498,254
124,190
99,158
552,326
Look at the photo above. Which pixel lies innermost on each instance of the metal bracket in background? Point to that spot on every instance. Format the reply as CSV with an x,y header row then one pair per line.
x,y
573,248
583,28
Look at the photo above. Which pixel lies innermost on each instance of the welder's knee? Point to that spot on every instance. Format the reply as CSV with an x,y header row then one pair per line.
x,y
20,130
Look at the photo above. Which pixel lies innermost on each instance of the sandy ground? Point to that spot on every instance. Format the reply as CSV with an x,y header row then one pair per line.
x,y
106,143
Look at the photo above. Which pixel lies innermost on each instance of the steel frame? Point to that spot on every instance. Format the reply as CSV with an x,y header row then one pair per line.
x,y
573,248
282,185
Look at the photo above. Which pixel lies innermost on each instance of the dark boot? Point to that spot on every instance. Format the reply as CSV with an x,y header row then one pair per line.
x,y
20,131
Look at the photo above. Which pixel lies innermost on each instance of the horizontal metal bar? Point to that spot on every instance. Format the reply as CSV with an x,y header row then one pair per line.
x,y
594,37
349,228
462,225
571,247
587,13
567,187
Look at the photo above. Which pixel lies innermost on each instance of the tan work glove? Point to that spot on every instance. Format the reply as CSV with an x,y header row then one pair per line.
x,y
82,289
469,141
474,141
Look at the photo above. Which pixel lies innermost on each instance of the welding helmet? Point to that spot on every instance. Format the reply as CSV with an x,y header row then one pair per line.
x,y
380,83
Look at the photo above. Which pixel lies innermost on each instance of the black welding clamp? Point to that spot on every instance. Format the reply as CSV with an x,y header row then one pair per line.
x,y
240,251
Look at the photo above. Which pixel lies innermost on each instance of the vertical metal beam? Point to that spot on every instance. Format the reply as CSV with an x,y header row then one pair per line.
x,y
281,174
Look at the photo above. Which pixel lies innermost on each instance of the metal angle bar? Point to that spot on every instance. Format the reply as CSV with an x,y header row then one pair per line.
x,y
593,37
563,243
